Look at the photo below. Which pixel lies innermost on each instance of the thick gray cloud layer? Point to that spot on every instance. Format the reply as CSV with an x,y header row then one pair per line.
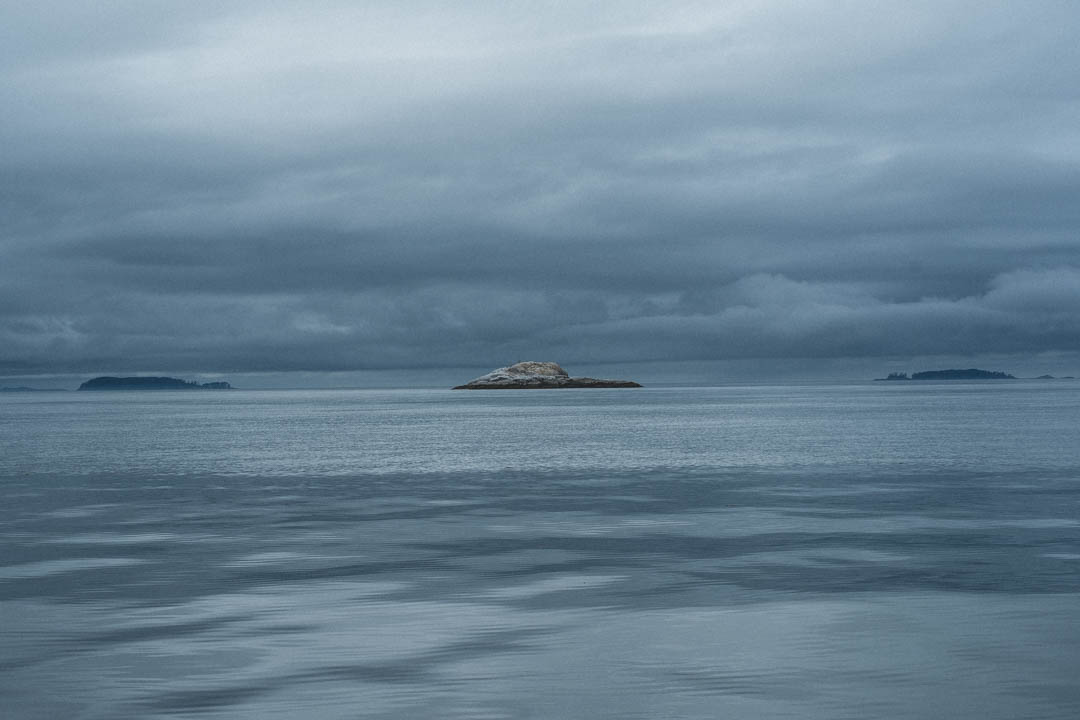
x,y
334,185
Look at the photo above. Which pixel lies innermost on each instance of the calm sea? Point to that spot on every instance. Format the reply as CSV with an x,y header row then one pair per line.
x,y
871,551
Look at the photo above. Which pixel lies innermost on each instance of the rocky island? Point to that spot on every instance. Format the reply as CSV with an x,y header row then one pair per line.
x,y
149,383
968,374
538,375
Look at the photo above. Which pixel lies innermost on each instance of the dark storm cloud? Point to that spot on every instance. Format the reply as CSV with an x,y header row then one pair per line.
x,y
322,186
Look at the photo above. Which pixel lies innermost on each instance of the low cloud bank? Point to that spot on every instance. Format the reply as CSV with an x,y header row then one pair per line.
x,y
272,188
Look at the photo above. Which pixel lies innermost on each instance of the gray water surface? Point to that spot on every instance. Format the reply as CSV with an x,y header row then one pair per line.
x,y
766,552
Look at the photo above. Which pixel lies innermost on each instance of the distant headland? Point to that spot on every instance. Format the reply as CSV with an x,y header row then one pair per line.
x,y
538,375
149,383
968,374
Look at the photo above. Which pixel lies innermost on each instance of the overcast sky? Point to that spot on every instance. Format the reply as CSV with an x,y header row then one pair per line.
x,y
241,187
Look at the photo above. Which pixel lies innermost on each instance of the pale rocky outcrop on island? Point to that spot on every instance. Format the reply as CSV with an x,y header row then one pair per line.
x,y
538,375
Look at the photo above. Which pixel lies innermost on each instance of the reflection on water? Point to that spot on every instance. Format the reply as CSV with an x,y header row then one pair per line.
x,y
863,575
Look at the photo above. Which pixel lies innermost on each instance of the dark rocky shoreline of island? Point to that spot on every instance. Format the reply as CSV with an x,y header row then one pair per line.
x,y
580,382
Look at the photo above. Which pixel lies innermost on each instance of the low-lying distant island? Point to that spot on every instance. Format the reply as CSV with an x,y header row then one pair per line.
x,y
968,374
150,383
538,375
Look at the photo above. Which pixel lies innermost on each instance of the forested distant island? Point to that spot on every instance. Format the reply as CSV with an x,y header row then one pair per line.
x,y
149,383
968,374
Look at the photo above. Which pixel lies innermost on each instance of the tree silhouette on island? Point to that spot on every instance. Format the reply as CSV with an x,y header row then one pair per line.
x,y
953,374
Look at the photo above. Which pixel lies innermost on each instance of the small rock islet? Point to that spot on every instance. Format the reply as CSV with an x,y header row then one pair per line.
x,y
532,375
